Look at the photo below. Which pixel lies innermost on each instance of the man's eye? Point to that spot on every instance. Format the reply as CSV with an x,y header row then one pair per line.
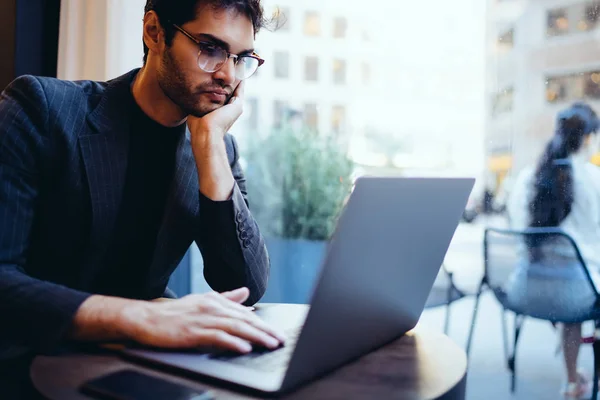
x,y
211,50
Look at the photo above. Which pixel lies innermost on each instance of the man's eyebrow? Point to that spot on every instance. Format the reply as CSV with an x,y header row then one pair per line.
x,y
220,42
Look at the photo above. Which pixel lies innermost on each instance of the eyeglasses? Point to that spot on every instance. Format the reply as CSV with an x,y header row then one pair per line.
x,y
213,57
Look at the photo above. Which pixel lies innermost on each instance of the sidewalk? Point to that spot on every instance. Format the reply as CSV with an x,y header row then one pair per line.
x,y
539,370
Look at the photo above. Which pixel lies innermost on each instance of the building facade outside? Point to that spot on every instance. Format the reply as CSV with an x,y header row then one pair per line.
x,y
320,70
542,56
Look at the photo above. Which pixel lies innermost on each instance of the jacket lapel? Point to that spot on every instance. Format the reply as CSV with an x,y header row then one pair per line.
x,y
105,151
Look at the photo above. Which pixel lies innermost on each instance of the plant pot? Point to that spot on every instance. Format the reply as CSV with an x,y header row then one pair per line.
x,y
295,266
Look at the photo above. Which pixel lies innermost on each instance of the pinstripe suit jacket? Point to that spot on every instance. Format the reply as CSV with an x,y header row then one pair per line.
x,y
63,160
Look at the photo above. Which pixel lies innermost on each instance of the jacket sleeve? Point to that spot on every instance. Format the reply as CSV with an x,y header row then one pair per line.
x,y
34,313
229,239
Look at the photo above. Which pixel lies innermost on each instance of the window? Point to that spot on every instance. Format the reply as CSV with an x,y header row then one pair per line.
x,y
311,115
589,19
282,16
311,69
339,72
365,35
365,70
412,99
280,112
558,22
282,64
339,27
592,85
338,119
503,101
506,40
571,87
312,24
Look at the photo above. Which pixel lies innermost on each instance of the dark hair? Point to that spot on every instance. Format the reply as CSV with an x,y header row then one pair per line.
x,y
181,11
553,181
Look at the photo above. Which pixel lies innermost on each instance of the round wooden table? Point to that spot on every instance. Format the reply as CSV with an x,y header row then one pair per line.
x,y
421,365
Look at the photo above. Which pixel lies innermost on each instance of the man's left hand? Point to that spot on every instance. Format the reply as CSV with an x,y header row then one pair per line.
x,y
214,173
218,122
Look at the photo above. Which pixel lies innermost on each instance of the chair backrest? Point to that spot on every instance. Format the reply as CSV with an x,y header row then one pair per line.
x,y
506,250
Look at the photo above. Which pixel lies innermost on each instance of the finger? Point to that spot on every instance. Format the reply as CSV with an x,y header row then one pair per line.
x,y
252,319
238,93
240,329
221,339
238,295
237,96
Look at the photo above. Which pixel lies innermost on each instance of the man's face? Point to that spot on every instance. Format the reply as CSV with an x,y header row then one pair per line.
x,y
195,91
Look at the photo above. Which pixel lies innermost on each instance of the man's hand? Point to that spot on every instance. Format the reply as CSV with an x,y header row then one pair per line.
x,y
214,173
212,320
219,121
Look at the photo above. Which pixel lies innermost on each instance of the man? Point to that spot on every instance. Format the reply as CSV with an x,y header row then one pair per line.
x,y
105,185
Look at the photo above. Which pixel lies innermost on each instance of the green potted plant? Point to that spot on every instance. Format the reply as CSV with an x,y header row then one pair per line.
x,y
297,183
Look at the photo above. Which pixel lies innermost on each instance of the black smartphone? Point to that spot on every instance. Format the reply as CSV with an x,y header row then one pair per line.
x,y
129,384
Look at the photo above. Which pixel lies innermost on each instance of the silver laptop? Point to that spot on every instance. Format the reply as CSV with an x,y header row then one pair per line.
x,y
381,262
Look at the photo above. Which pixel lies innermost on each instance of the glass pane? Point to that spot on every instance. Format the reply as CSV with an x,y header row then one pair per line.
x,y
366,73
282,64
282,16
339,27
311,69
504,91
339,72
338,119
312,24
558,22
311,115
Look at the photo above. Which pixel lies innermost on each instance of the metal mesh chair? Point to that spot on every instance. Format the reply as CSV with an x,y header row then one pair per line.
x,y
507,253
443,293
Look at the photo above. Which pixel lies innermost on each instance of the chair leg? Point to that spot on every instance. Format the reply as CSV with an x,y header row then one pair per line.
x,y
504,333
596,348
473,319
512,364
448,304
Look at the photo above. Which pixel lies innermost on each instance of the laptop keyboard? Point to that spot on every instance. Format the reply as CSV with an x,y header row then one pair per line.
x,y
262,358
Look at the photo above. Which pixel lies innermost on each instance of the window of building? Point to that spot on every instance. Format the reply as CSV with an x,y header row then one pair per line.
x,y
567,88
589,19
339,72
365,72
503,101
506,40
282,16
340,25
252,113
312,24
557,89
592,85
280,112
365,35
311,69
282,64
311,115
558,22
338,119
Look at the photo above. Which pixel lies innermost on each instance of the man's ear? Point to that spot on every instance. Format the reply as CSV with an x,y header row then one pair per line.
x,y
153,33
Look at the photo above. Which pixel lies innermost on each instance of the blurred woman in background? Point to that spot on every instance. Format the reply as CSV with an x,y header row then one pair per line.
x,y
563,191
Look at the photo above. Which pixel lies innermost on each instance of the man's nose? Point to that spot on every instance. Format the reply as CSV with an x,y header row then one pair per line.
x,y
227,72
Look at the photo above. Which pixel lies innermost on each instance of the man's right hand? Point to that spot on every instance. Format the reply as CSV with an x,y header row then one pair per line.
x,y
198,320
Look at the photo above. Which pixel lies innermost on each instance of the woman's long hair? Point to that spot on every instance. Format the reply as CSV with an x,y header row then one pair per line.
x,y
553,182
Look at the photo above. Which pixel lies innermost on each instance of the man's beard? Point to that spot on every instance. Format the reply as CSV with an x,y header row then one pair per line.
x,y
179,90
